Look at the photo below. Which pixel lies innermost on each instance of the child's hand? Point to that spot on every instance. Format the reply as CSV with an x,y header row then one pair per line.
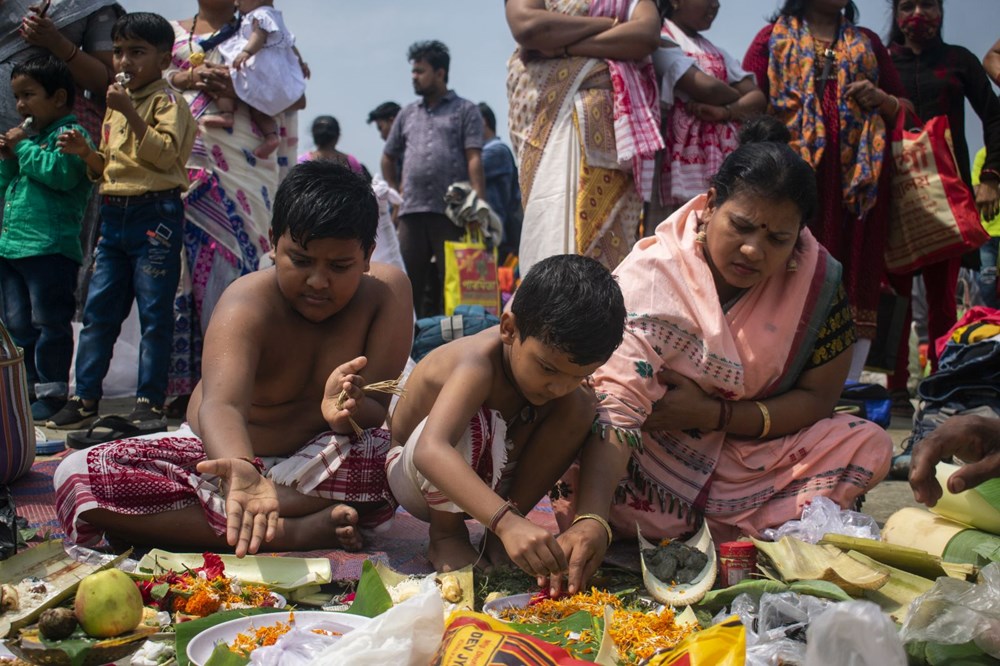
x,y
251,503
72,143
14,136
531,547
118,98
240,60
344,378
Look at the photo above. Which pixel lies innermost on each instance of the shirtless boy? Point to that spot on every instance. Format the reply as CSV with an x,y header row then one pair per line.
x,y
253,469
491,421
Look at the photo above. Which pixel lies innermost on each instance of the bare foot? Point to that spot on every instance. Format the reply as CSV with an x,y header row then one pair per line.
x,y
336,527
221,119
451,553
495,552
269,145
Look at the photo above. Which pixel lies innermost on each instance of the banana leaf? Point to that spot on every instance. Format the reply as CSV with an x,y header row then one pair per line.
x,y
371,598
283,574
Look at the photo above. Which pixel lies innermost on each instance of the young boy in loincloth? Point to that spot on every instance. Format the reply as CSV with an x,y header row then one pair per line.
x,y
490,422
269,460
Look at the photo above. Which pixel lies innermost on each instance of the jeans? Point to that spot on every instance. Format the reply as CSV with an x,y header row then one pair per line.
x,y
988,272
39,299
138,256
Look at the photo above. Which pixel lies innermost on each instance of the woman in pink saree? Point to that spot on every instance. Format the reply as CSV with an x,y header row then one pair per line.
x,y
719,404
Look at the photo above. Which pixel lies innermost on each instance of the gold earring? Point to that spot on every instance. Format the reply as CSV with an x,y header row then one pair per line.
x,y
792,266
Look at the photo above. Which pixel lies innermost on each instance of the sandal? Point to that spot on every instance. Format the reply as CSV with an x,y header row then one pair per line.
x,y
107,429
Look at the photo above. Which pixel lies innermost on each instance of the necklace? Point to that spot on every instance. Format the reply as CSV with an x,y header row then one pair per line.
x,y
527,412
196,58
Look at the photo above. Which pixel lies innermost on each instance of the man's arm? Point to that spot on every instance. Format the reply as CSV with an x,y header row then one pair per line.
x,y
389,171
477,177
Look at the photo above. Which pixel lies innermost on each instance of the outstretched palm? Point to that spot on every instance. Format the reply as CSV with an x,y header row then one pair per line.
x,y
251,503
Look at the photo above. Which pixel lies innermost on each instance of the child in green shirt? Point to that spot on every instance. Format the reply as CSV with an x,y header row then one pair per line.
x,y
46,194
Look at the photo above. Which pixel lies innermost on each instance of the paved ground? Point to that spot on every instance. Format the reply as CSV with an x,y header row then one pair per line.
x,y
887,498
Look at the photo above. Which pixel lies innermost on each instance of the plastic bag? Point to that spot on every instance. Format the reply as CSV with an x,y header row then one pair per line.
x,y
408,633
776,627
955,612
823,516
854,633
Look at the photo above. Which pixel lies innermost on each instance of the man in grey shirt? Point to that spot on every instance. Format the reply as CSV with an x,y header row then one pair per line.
x,y
442,136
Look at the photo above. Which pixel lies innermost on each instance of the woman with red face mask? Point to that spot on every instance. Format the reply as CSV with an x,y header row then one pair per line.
x,y
939,77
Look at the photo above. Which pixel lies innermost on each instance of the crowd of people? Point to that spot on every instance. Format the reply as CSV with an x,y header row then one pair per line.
x,y
701,241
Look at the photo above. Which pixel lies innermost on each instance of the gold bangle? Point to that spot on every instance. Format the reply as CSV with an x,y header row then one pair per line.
x,y
594,516
615,22
767,418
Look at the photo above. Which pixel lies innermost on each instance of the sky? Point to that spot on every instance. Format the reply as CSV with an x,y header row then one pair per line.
x,y
356,50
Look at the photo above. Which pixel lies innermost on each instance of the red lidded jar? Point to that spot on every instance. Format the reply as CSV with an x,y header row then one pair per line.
x,y
737,560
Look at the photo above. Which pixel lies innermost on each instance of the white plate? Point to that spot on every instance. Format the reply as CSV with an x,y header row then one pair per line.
x,y
201,646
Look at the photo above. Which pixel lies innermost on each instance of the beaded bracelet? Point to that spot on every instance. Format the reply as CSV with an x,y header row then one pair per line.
x,y
602,521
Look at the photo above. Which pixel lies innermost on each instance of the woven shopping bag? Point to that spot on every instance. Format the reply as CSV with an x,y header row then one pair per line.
x,y
470,274
17,430
933,215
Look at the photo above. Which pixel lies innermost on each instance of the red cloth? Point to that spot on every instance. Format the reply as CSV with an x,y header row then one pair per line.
x,y
858,244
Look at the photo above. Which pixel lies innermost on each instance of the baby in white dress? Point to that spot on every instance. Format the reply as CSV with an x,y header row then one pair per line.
x,y
267,71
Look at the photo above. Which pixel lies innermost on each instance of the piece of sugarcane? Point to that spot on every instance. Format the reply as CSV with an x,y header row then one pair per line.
x,y
123,78
27,123
390,386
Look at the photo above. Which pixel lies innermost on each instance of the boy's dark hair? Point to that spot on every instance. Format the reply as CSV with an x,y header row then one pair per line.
x,y
324,199
489,118
325,131
384,111
50,73
433,52
148,27
574,304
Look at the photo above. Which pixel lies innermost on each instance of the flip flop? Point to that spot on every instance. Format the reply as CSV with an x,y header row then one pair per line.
x,y
106,429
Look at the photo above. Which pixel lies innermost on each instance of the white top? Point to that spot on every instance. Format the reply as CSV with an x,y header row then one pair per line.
x,y
673,62
270,80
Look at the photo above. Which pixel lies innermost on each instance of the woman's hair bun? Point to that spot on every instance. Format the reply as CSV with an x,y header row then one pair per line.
x,y
764,129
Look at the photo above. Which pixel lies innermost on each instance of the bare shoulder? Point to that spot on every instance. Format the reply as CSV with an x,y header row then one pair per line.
x,y
249,301
474,355
387,280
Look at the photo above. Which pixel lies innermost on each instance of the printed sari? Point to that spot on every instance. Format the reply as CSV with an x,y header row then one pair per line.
x,y
227,213
757,349
578,198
